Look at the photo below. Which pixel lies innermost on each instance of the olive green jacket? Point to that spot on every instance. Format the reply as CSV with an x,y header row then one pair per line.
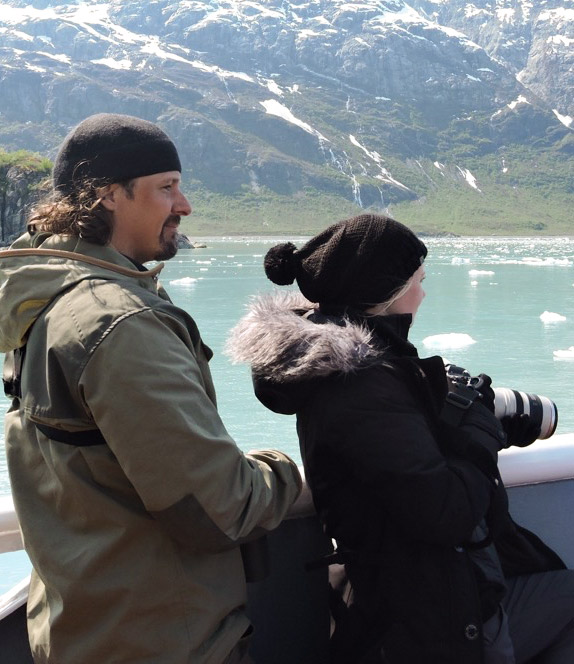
x,y
134,538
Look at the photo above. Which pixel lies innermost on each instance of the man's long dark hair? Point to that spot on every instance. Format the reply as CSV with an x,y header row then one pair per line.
x,y
81,213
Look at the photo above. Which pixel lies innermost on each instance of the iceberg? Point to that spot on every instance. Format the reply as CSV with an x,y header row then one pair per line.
x,y
567,354
448,340
551,317
184,281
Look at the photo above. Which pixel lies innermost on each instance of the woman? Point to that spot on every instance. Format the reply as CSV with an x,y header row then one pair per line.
x,y
405,481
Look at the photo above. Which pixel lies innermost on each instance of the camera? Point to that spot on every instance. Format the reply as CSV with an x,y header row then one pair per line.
x,y
542,410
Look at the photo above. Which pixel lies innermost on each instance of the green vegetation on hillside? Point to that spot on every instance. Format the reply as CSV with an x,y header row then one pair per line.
x,y
21,175
520,193
506,211
263,213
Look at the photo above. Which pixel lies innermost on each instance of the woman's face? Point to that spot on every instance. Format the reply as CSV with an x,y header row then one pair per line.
x,y
410,301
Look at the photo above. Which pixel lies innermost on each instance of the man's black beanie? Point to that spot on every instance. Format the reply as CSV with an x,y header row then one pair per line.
x,y
358,262
111,147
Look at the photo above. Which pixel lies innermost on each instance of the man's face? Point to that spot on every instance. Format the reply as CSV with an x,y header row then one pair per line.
x,y
146,218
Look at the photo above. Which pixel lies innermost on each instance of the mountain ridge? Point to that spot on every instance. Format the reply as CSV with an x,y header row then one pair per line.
x,y
315,107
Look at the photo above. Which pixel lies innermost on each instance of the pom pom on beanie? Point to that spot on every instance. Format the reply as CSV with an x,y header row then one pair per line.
x,y
280,264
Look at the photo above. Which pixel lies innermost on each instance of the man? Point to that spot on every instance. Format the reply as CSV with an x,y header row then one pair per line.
x,y
132,497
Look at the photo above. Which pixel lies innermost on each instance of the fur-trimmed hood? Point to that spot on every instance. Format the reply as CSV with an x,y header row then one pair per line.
x,y
286,340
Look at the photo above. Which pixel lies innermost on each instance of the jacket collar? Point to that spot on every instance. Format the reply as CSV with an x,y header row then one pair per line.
x,y
286,338
392,330
35,270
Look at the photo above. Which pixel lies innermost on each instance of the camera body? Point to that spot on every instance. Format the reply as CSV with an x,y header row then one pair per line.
x,y
542,410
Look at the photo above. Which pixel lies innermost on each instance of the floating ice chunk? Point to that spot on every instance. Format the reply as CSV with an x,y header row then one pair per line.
x,y
528,260
474,283
551,317
480,273
184,281
567,354
449,340
459,261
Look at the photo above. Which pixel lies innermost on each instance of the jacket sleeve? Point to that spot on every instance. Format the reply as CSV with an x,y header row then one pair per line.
x,y
149,391
367,436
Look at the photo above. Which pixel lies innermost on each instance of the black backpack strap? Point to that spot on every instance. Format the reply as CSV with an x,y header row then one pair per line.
x,y
11,378
11,375
86,438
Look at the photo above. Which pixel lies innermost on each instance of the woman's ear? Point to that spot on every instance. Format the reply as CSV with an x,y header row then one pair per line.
x,y
107,196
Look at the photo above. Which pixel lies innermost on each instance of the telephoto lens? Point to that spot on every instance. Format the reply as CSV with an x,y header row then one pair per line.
x,y
542,410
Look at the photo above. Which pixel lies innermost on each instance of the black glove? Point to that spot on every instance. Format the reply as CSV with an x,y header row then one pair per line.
x,y
482,384
520,430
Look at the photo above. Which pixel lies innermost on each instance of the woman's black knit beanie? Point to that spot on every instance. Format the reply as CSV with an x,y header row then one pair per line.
x,y
112,148
359,261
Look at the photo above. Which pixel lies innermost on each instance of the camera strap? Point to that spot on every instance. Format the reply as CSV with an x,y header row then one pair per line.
x,y
457,403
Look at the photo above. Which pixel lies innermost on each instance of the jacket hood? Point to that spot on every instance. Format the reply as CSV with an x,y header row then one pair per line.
x,y
286,340
36,269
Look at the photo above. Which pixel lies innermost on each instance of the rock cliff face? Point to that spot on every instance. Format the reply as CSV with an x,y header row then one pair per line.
x,y
535,40
355,99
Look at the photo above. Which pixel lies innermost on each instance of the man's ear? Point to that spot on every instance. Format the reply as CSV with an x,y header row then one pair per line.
x,y
108,196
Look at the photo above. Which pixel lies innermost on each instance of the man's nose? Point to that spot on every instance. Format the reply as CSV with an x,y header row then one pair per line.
x,y
182,206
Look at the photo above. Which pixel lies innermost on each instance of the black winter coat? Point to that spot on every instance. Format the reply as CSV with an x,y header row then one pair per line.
x,y
400,491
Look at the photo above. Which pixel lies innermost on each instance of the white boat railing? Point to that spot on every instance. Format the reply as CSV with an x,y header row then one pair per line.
x,y
10,537
550,460
11,540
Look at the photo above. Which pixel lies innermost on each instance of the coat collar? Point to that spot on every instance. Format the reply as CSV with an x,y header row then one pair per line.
x,y
286,338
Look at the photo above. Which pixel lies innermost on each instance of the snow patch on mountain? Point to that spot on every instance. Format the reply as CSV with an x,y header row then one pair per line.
x,y
520,100
273,107
469,177
272,86
114,64
566,120
384,175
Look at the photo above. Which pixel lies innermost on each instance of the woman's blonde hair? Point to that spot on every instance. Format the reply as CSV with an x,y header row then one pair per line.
x,y
382,308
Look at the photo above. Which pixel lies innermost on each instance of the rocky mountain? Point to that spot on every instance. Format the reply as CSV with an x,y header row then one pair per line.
x,y
335,105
